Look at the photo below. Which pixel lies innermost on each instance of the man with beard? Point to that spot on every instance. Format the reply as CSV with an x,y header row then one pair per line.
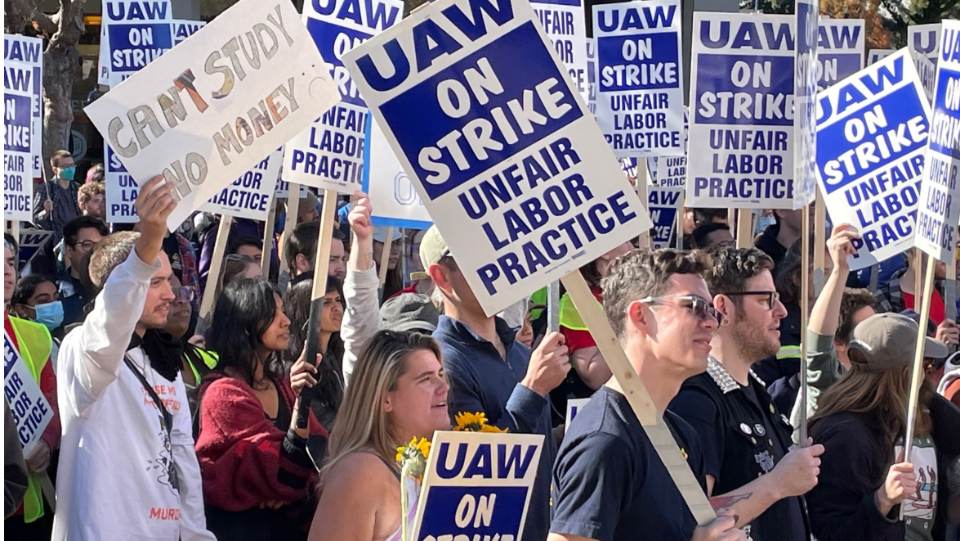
x,y
745,439
128,469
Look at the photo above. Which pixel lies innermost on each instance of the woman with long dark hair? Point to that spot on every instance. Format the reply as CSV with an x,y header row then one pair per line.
x,y
257,474
864,480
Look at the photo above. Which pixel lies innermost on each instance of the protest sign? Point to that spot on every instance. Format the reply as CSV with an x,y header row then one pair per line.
x,y
871,138
876,55
181,29
222,112
924,39
839,50
25,53
640,77
329,154
927,71
29,244
395,200
671,170
591,98
741,95
29,408
120,190
18,141
939,192
477,485
103,59
283,189
574,405
497,141
664,204
137,32
563,22
805,104
251,195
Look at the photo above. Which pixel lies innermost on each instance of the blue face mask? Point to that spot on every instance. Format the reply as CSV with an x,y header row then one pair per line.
x,y
67,172
50,315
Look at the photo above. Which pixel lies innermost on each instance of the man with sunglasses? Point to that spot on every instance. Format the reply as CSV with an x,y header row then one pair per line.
x,y
80,236
746,440
609,484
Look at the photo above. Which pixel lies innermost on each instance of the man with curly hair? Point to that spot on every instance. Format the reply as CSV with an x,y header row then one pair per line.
x,y
91,198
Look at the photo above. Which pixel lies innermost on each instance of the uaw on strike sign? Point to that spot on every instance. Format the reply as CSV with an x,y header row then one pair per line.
x,y
30,410
508,161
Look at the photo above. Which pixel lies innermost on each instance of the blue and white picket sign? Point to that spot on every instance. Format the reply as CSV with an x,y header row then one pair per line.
x,y
30,410
477,486
251,195
499,144
574,405
29,244
924,39
664,204
137,31
329,154
283,188
876,55
19,141
182,29
591,97
206,112
640,77
396,202
672,170
839,50
741,100
805,84
871,138
927,71
17,51
939,192
120,189
563,22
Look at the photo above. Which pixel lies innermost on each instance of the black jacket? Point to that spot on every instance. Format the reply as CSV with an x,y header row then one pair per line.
x,y
842,506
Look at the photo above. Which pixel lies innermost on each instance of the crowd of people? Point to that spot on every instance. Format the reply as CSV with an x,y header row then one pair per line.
x,y
161,432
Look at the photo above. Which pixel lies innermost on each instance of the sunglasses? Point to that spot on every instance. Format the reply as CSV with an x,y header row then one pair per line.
x,y
700,307
187,293
772,297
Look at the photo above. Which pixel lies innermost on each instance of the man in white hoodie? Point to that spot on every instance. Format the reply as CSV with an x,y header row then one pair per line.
x,y
127,464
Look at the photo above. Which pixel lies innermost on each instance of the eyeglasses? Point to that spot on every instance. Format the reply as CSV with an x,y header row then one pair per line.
x,y
187,293
87,245
700,307
772,296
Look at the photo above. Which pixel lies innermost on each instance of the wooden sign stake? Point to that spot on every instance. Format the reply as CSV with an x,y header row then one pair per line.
x,y
804,320
819,244
213,277
289,224
267,254
385,257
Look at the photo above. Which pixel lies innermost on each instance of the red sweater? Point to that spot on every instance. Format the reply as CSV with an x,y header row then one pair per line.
x,y
244,459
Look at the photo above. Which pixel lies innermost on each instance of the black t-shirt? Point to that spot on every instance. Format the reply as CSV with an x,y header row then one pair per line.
x,y
609,483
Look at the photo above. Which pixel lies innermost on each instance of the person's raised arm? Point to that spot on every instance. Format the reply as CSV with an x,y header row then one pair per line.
x,y
826,310
361,319
106,333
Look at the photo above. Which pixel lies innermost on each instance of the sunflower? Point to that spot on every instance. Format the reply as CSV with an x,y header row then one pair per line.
x,y
475,422
413,457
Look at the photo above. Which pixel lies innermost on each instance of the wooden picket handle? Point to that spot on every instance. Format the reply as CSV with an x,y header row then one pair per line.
x,y
916,371
744,228
385,256
289,224
804,321
819,245
678,233
267,252
643,239
216,264
638,397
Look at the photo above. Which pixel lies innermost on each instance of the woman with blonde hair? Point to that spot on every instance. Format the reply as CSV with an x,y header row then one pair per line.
x,y
398,392
865,483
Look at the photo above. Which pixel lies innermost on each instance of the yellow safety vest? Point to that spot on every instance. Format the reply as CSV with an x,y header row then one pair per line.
x,y
35,345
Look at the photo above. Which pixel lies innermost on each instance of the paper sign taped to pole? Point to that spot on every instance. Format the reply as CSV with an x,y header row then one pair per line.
x,y
924,39
871,139
741,99
30,410
329,155
396,202
939,207
137,32
489,127
477,484
203,113
664,204
251,195
839,50
805,103
640,79
876,55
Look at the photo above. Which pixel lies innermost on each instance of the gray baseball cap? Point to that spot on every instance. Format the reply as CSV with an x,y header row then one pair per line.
x,y
889,341
410,312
